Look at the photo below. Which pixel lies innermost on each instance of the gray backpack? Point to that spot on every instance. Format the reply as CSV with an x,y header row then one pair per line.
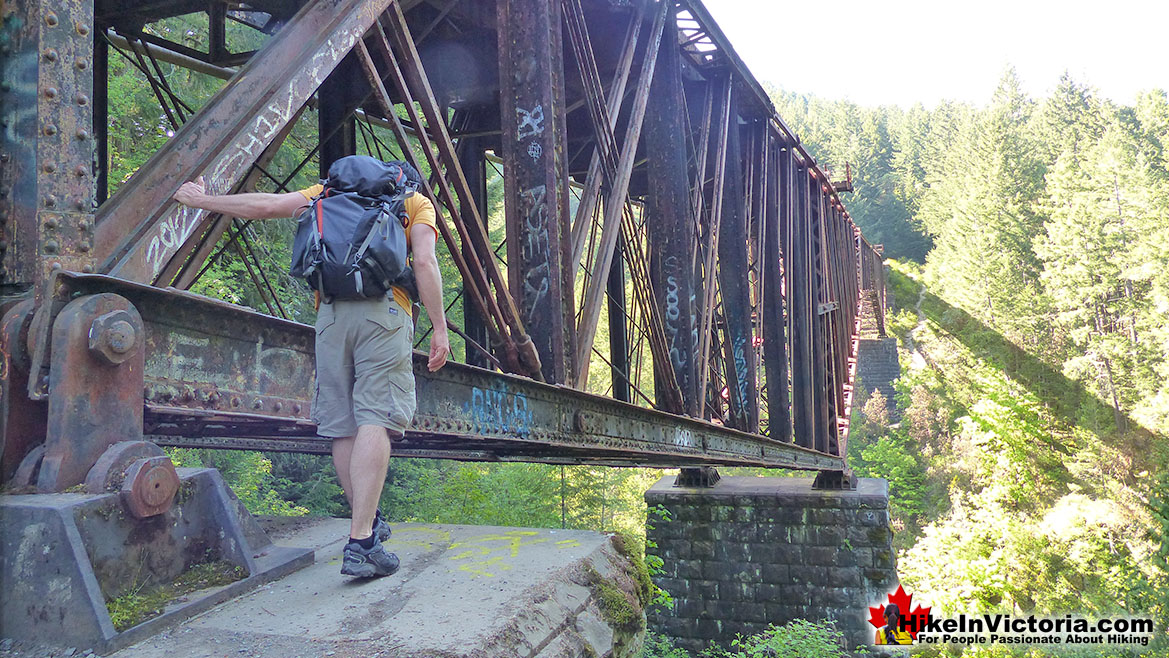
x,y
351,241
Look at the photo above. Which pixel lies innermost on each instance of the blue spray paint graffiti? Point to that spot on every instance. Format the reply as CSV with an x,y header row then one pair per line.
x,y
499,412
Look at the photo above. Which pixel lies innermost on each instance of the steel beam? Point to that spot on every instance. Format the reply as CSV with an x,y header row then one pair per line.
x,y
472,159
531,74
219,375
618,327
775,352
819,331
46,141
670,222
802,300
734,287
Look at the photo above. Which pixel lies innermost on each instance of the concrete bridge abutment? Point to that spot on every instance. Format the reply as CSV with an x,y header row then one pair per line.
x,y
751,551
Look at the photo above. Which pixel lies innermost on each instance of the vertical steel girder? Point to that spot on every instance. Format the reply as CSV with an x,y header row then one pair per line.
x,y
821,415
739,344
472,159
802,301
775,352
670,224
139,229
618,328
531,73
46,141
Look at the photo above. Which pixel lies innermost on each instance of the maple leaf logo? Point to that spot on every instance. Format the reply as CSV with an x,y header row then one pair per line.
x,y
911,622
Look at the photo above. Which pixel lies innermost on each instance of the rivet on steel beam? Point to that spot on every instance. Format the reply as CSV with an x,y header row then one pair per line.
x,y
51,246
82,29
3,245
279,406
51,54
81,99
235,401
84,247
83,134
50,130
56,266
80,204
50,92
50,222
257,403
50,168
84,224
50,200
296,408
81,171
81,63
51,19
87,268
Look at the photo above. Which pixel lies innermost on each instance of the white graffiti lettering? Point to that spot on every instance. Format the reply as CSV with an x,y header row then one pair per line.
x,y
531,122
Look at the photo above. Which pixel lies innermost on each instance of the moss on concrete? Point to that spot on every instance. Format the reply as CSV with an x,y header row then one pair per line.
x,y
150,600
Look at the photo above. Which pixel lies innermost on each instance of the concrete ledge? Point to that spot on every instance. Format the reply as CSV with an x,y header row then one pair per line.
x,y
468,591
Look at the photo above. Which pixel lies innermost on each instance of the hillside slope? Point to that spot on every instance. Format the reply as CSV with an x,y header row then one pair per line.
x,y
1012,491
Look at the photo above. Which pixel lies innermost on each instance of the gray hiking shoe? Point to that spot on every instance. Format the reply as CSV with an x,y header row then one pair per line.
x,y
381,528
368,563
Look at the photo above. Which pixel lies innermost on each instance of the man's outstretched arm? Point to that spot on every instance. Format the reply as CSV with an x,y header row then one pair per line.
x,y
429,280
247,205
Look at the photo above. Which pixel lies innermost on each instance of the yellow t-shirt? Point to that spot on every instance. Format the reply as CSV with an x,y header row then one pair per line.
x,y
419,210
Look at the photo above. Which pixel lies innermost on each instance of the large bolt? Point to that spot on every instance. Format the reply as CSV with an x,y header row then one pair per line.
x,y
150,487
51,54
51,19
113,337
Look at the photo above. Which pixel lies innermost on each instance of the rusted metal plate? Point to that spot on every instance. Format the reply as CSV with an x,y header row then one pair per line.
x,y
139,229
46,140
93,403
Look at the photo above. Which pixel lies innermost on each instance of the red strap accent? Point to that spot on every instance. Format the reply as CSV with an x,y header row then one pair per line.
x,y
321,216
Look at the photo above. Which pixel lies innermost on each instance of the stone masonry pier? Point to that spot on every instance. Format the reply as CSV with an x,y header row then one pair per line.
x,y
750,552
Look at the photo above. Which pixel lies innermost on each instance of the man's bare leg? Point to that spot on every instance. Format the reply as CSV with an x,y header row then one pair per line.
x,y
368,462
342,457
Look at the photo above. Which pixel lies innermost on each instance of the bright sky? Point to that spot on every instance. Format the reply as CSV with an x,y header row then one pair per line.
x,y
899,52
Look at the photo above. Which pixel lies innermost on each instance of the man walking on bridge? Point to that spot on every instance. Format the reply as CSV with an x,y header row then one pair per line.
x,y
364,377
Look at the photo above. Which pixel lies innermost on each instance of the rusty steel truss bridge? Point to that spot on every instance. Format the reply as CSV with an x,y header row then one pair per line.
x,y
648,184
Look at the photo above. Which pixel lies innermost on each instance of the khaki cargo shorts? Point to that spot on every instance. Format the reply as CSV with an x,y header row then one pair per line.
x,y
364,373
